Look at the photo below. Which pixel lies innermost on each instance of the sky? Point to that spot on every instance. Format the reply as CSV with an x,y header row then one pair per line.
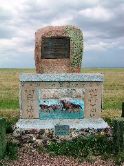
x,y
101,21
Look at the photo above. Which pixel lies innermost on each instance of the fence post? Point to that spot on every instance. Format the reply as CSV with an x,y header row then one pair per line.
x,y
122,115
2,137
118,134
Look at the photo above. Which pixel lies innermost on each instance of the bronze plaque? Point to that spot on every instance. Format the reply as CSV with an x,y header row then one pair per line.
x,y
62,130
55,47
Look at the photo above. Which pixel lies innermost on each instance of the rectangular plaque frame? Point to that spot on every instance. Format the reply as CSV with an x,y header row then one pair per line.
x,y
55,47
62,130
67,103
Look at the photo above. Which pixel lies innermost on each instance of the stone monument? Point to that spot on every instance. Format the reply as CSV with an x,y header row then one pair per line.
x,y
59,97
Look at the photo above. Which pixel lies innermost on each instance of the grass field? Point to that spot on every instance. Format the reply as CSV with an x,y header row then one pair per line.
x,y
113,88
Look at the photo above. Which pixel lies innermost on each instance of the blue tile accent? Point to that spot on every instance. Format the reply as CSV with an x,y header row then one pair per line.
x,y
61,109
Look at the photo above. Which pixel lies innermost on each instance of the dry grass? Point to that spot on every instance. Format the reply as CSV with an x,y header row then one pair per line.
x,y
9,114
111,113
9,87
113,89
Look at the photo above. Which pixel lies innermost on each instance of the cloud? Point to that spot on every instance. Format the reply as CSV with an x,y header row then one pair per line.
x,y
97,13
101,22
62,21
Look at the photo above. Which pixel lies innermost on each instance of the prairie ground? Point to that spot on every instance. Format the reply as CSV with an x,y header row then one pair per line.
x,y
113,88
9,108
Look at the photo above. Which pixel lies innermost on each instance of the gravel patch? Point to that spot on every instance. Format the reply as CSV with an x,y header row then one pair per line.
x,y
30,157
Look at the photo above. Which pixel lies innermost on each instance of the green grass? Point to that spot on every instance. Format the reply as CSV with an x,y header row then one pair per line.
x,y
9,87
6,104
113,98
113,87
82,147
93,145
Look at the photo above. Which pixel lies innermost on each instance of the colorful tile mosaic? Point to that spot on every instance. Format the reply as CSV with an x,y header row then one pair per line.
x,y
61,103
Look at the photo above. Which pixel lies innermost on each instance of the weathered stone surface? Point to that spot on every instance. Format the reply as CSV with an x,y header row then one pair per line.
x,y
44,136
62,77
51,86
29,124
59,94
55,63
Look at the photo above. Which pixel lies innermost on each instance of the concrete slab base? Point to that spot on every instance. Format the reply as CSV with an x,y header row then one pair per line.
x,y
27,124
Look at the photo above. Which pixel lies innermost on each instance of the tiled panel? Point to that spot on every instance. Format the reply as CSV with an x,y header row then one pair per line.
x,y
61,103
28,98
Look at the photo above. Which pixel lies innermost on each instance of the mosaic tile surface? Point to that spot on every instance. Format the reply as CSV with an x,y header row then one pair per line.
x,y
61,103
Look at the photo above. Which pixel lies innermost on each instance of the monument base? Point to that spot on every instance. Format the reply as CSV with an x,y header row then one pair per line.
x,y
63,105
60,96
59,129
28,124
